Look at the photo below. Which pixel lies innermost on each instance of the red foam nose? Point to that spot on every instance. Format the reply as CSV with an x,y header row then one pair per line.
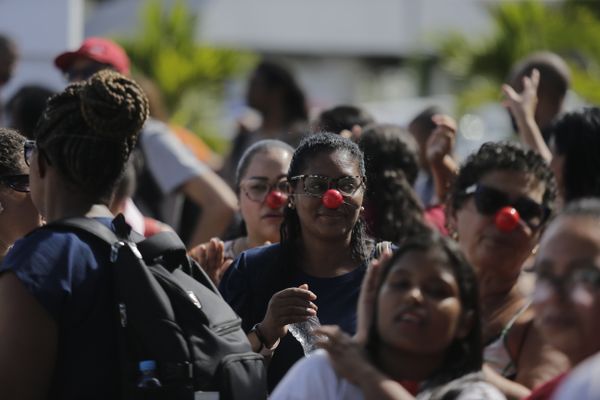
x,y
332,199
276,199
507,219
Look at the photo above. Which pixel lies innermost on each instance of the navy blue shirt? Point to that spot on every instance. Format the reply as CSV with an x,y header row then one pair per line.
x,y
70,279
256,275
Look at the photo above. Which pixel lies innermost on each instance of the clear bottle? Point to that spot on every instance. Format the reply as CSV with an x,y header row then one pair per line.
x,y
304,333
148,377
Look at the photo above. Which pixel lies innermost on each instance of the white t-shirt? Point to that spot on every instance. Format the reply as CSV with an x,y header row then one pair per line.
x,y
314,378
583,382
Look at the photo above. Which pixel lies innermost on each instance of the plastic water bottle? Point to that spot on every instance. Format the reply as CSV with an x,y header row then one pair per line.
x,y
304,333
148,377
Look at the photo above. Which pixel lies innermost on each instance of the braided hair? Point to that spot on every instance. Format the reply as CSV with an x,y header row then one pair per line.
x,y
88,131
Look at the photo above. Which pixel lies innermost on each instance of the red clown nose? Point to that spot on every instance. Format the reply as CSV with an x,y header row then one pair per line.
x,y
507,219
332,199
276,199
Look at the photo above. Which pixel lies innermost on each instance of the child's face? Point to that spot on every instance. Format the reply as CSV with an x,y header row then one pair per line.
x,y
419,309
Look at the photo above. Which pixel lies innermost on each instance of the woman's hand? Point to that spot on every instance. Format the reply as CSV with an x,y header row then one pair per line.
x,y
367,297
211,257
347,355
288,306
441,142
522,105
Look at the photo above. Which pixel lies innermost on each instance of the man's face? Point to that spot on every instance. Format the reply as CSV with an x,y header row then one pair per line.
x,y
83,68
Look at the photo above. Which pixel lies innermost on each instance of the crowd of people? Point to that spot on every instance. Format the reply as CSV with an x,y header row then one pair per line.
x,y
429,278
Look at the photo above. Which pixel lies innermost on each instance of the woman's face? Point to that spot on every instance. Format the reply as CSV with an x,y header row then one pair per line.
x,y
317,220
486,247
18,214
418,306
567,292
266,172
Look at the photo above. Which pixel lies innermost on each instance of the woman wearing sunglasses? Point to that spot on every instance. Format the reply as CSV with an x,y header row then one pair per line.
x,y
262,189
18,215
497,208
318,266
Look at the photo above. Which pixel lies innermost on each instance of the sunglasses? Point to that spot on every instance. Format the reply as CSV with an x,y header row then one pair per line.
x,y
18,183
317,185
256,189
28,147
489,200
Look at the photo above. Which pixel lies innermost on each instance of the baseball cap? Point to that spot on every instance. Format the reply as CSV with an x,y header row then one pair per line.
x,y
98,49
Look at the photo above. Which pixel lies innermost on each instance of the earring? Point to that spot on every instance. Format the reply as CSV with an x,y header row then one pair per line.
x,y
362,209
454,236
1,208
535,250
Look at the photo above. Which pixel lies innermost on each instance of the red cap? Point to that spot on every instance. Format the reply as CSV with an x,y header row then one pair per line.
x,y
98,49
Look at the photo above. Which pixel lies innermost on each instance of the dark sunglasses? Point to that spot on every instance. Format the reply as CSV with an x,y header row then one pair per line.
x,y
18,183
28,147
489,200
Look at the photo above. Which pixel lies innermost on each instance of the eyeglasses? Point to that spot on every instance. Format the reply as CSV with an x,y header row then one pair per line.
x,y
28,147
317,185
489,200
18,183
256,189
582,280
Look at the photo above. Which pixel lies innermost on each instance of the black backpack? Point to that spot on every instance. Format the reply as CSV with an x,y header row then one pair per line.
x,y
169,311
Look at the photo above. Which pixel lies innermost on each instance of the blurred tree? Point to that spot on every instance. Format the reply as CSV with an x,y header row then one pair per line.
x,y
191,76
570,28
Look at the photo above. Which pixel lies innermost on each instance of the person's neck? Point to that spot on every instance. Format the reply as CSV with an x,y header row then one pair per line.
x,y
61,210
496,295
400,365
326,259
273,122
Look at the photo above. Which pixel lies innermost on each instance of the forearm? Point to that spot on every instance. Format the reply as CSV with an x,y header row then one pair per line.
x,y
531,136
444,172
212,223
512,390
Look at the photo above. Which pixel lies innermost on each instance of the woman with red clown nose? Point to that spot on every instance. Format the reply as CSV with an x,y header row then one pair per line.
x,y
262,189
318,266
498,207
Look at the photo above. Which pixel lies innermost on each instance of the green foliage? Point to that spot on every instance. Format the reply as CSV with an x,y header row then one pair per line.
x,y
191,76
570,29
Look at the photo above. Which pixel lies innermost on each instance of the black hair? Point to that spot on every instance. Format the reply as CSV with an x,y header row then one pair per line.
x,y
576,136
26,106
464,355
391,162
258,147
584,207
11,152
309,148
501,156
276,76
88,131
343,117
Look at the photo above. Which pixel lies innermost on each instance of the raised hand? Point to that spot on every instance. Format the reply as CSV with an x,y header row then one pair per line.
x,y
211,257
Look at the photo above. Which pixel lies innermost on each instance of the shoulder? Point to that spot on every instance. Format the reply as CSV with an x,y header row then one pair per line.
x,y
314,378
251,261
582,383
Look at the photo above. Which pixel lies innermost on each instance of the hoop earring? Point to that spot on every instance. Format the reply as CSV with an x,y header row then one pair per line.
x,y
1,208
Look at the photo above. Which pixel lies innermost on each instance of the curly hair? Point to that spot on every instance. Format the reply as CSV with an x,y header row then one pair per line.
x,y
88,131
392,168
11,152
501,156
576,136
463,355
309,148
